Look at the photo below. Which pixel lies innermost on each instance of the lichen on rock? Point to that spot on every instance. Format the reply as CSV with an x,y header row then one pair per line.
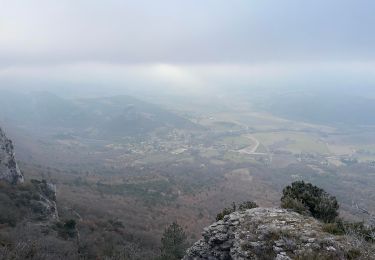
x,y
268,233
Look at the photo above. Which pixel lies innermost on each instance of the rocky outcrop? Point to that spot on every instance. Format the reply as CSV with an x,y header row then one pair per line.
x,y
40,196
45,205
9,170
269,233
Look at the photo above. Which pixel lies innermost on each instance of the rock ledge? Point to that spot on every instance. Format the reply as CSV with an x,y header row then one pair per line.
x,y
268,233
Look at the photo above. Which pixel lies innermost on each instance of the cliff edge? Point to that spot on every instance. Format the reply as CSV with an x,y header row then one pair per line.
x,y
271,233
18,196
9,170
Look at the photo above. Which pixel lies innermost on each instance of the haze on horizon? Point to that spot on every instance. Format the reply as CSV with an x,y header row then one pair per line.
x,y
186,47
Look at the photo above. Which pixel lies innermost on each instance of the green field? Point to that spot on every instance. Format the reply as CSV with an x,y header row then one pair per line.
x,y
237,142
293,142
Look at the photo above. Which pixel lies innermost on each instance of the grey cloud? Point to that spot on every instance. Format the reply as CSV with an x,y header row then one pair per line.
x,y
168,31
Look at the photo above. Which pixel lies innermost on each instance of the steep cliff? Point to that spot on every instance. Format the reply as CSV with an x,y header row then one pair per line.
x,y
9,170
269,233
18,199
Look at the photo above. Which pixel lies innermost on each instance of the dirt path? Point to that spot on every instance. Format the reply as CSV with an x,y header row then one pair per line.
x,y
256,141
252,148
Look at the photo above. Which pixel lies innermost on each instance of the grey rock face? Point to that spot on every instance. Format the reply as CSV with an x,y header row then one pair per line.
x,y
9,170
268,233
46,203
43,202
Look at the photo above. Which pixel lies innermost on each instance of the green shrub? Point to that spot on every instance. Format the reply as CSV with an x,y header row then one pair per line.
x,y
243,206
295,204
66,229
173,243
310,200
70,224
226,211
360,229
341,227
247,205
334,228
353,253
16,202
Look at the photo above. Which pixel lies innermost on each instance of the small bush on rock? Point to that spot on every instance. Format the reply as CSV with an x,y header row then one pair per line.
x,y
247,205
243,206
224,212
308,199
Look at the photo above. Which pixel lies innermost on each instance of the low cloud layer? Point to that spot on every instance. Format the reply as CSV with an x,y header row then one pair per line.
x,y
190,45
168,31
189,78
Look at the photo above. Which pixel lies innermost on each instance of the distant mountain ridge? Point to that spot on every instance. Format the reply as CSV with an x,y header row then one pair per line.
x,y
119,115
323,108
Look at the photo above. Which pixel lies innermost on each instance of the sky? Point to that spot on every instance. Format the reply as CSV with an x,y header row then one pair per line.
x,y
190,45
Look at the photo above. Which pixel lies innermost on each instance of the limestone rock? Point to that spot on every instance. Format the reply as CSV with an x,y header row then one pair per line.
x,y
9,170
268,233
46,204
43,201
